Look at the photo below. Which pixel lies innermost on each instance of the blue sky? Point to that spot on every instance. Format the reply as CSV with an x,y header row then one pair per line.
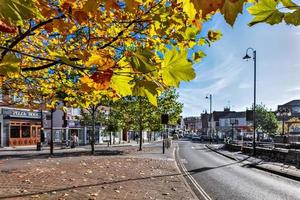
x,y
229,78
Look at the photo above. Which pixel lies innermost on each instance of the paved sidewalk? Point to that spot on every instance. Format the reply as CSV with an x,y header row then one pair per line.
x,y
30,151
146,174
285,170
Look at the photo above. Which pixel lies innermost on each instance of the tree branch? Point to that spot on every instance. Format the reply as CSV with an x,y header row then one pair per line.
x,y
137,20
25,54
39,67
27,33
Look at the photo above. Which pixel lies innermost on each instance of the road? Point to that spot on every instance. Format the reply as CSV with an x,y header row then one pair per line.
x,y
223,178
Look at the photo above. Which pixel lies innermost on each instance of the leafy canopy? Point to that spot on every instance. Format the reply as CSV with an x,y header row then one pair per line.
x,y
113,48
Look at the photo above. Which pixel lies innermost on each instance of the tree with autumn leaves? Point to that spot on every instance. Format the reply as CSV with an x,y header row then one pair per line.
x,y
114,48
122,47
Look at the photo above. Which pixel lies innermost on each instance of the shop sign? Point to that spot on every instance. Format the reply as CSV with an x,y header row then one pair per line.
x,y
22,114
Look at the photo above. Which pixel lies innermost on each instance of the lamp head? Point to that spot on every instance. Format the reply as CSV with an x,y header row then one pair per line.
x,y
246,57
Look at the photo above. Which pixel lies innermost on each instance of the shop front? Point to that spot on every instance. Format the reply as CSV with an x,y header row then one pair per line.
x,y
21,127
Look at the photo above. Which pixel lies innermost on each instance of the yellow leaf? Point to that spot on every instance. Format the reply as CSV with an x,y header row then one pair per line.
x,y
101,59
9,65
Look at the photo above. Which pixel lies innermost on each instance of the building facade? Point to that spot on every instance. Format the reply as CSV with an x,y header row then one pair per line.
x,y
19,127
293,120
193,124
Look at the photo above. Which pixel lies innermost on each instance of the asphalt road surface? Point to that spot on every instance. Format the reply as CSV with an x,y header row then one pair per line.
x,y
218,177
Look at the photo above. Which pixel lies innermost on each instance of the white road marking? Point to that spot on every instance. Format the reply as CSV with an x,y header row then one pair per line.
x,y
193,181
184,161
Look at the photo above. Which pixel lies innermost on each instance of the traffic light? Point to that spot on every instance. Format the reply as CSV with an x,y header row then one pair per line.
x,y
164,119
249,115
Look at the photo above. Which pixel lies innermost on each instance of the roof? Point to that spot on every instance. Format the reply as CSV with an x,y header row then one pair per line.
x,y
292,103
220,114
235,115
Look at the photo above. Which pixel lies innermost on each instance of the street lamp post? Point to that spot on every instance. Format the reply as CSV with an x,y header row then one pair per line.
x,y
283,112
210,114
254,95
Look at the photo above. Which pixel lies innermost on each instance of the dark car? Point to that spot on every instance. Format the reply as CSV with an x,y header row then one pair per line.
x,y
196,138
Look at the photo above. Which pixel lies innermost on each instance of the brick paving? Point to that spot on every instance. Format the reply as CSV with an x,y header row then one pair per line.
x,y
135,175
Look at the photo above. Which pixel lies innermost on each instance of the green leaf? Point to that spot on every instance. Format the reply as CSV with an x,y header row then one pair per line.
x,y
176,67
9,65
289,4
15,11
197,56
293,18
121,81
147,89
141,61
231,9
265,11
190,33
214,35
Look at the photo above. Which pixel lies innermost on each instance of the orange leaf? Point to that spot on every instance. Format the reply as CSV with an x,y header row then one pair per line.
x,y
80,16
7,28
102,79
197,23
111,4
208,7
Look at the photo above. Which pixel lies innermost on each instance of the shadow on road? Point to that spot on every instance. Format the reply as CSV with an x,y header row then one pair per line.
x,y
64,154
202,169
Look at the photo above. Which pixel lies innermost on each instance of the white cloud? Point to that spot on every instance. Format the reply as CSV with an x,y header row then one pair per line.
x,y
295,89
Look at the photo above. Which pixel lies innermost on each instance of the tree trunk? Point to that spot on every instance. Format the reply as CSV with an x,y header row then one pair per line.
x,y
93,131
125,134
140,125
110,137
51,133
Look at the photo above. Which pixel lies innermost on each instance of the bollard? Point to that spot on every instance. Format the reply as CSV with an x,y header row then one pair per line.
x,y
39,146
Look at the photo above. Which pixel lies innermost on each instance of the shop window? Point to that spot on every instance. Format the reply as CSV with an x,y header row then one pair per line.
x,y
25,131
34,131
15,131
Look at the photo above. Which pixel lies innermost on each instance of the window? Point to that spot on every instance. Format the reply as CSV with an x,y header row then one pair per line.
x,y
15,131
48,117
33,132
25,131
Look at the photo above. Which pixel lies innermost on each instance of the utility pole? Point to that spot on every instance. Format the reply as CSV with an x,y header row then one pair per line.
x,y
211,117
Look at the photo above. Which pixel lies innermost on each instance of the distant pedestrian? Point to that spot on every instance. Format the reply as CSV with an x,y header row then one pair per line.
x,y
73,140
76,140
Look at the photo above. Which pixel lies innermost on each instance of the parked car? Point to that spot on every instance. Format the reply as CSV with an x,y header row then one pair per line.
x,y
196,138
